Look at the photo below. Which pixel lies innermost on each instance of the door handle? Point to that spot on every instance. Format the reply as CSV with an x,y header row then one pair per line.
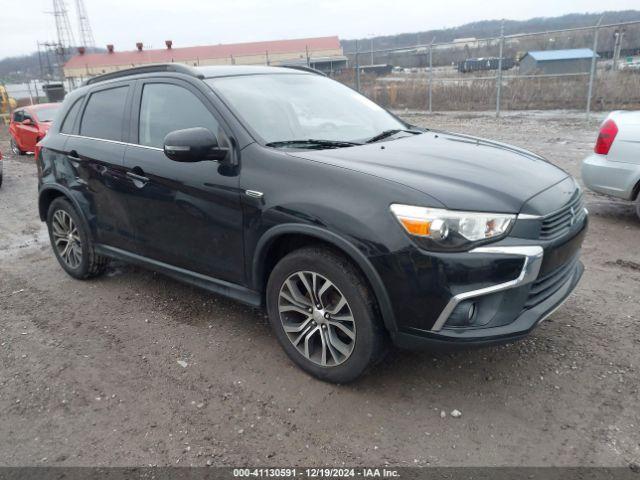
x,y
74,158
140,178
137,175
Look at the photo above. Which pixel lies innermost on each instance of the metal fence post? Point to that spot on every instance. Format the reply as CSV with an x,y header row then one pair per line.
x,y
35,86
431,75
499,75
29,90
592,73
357,68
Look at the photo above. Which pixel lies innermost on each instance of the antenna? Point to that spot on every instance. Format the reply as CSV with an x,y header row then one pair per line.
x,y
84,27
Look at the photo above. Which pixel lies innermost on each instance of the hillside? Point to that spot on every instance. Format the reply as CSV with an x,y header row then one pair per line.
x,y
32,66
491,28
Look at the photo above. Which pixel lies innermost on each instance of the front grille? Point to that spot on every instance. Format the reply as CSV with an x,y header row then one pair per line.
x,y
547,285
560,222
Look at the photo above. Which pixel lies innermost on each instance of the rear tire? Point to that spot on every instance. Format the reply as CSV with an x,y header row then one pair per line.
x,y
72,243
346,327
15,149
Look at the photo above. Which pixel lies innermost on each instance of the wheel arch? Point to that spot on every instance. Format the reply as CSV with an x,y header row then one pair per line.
x,y
48,193
282,239
635,191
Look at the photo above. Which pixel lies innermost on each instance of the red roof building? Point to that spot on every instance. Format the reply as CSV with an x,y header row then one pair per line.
x,y
275,52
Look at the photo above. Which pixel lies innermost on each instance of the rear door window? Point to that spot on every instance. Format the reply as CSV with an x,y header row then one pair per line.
x,y
105,113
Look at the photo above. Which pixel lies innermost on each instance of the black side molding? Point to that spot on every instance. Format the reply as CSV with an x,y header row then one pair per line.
x,y
228,289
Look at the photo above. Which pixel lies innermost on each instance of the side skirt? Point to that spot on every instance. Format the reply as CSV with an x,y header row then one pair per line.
x,y
228,289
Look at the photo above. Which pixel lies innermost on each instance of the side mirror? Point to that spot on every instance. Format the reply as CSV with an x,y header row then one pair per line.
x,y
193,145
27,121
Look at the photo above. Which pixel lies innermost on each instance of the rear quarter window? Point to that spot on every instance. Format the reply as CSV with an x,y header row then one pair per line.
x,y
70,119
104,114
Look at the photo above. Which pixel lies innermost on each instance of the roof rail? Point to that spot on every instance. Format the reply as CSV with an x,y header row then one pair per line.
x,y
304,68
157,67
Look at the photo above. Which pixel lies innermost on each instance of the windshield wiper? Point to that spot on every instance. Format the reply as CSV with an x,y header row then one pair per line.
x,y
313,143
389,133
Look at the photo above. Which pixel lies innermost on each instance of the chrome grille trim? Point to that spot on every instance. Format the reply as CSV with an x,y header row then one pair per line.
x,y
556,224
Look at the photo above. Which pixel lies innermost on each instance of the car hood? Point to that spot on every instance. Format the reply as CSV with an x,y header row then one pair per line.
x,y
460,171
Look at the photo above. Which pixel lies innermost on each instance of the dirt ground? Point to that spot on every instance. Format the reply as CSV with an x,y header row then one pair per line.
x,y
89,371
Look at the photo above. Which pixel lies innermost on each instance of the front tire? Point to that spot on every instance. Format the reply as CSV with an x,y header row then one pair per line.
x,y
15,149
324,315
71,241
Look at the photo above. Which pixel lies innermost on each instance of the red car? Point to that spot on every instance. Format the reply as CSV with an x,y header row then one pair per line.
x,y
29,125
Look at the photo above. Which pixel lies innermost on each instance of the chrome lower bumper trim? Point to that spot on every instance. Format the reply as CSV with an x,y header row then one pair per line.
x,y
530,268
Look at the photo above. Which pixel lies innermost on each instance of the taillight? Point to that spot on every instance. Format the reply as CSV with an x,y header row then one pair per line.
x,y
606,136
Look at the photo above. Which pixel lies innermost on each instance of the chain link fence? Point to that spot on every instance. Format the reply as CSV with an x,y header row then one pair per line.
x,y
585,68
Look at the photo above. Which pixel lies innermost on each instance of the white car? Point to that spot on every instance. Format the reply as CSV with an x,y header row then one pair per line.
x,y
614,167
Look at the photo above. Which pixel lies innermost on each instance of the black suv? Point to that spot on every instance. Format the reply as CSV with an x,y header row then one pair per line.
x,y
282,188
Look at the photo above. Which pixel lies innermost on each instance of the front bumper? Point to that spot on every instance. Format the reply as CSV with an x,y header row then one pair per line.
x,y
521,326
511,287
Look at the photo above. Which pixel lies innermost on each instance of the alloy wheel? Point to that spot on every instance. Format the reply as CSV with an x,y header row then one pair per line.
x,y
66,238
317,318
14,147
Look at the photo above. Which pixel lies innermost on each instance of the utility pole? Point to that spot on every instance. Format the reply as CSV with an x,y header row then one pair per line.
x,y
66,39
84,27
617,46
63,27
44,50
371,50
431,74
40,61
499,76
357,67
592,73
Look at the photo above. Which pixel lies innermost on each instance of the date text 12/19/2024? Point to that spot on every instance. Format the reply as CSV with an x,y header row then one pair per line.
x,y
316,472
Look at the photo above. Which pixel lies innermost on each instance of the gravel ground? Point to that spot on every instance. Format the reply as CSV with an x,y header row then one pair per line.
x,y
89,371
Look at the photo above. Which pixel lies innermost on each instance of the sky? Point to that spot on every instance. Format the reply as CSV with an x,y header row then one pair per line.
x,y
205,22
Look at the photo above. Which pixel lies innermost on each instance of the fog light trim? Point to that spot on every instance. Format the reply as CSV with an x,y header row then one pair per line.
x,y
530,269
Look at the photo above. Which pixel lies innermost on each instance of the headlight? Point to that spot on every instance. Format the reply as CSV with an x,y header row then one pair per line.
x,y
449,229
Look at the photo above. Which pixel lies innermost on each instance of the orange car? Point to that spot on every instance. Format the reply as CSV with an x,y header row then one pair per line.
x,y
29,125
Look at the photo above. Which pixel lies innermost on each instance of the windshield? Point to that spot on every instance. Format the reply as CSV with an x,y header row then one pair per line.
x,y
286,107
47,114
